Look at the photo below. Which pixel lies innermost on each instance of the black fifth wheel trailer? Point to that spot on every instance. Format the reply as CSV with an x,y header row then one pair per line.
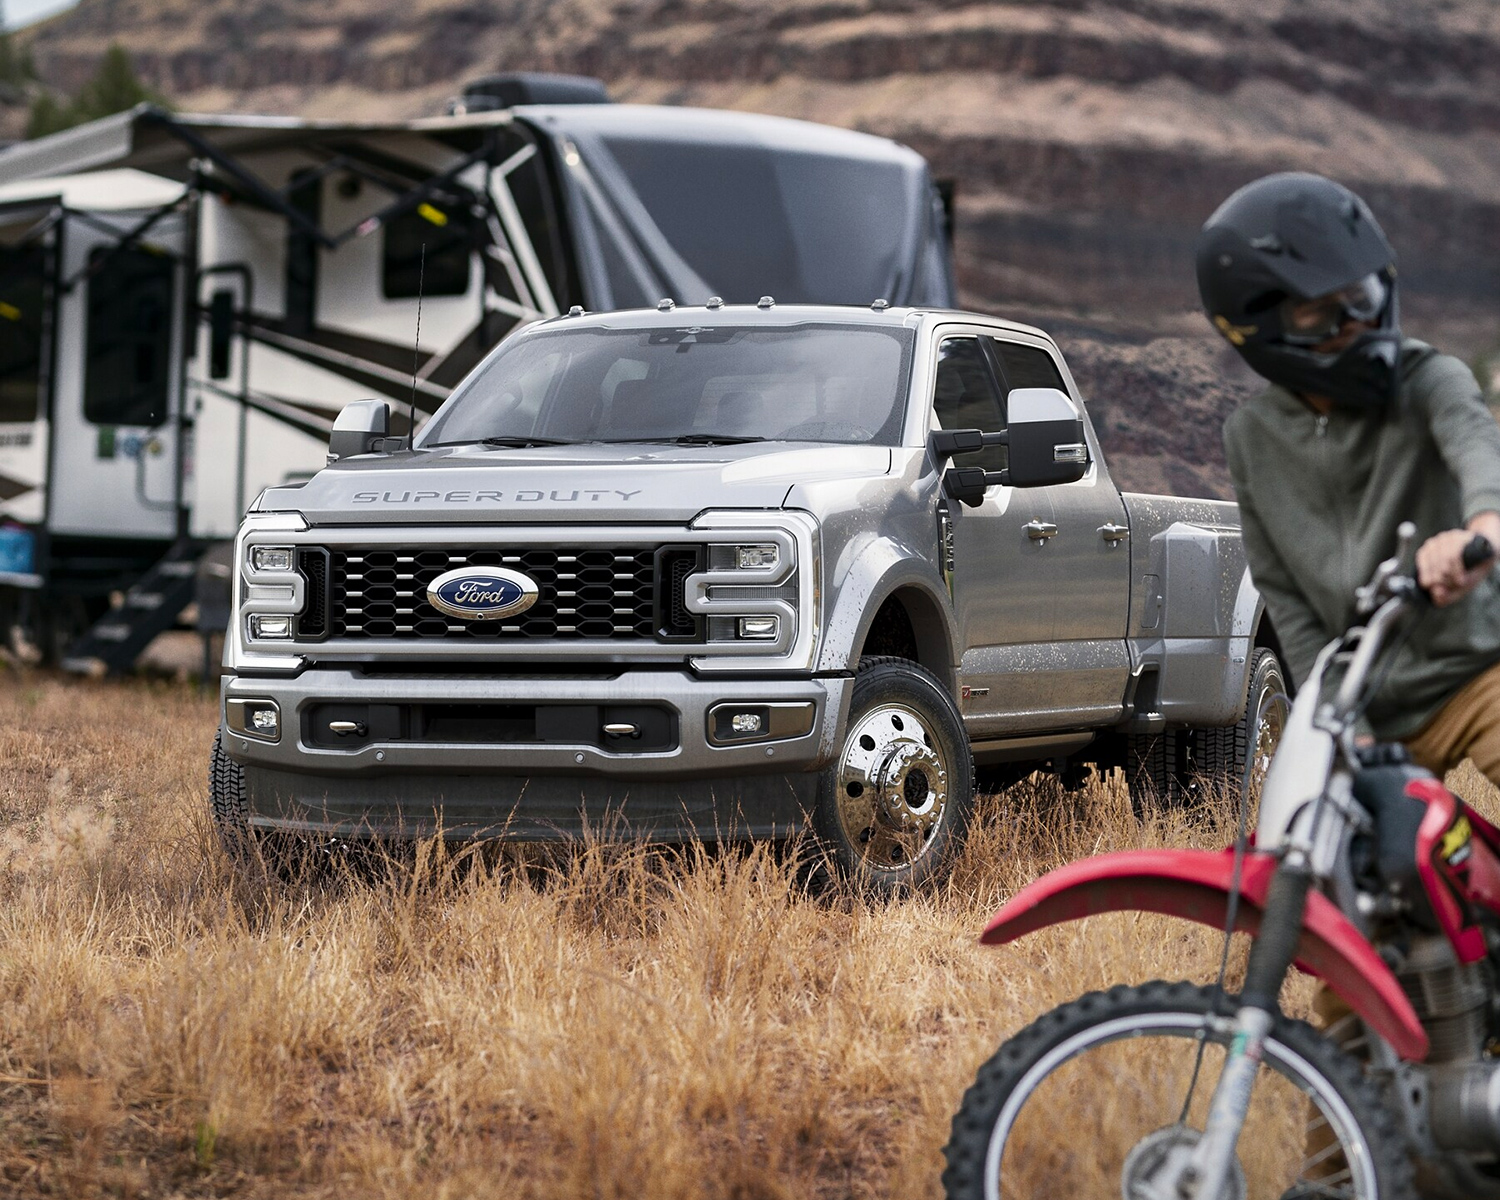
x,y
187,301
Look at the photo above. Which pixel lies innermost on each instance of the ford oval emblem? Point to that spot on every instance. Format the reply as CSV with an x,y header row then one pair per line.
x,y
482,593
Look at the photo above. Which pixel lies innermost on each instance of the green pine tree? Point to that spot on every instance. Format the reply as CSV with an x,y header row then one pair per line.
x,y
113,88
47,116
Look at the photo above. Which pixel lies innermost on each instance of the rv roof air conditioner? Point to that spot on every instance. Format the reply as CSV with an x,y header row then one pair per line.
x,y
511,88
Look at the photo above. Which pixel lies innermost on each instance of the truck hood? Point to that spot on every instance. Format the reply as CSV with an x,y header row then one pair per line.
x,y
590,482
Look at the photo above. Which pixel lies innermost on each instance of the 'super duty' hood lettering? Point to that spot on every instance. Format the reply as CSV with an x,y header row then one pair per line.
x,y
521,496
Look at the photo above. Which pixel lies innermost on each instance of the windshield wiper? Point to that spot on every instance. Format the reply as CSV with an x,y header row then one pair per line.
x,y
520,442
689,439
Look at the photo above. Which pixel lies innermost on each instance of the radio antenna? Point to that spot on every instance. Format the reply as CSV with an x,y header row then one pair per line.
x,y
416,352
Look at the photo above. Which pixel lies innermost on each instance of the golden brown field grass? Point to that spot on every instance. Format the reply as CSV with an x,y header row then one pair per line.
x,y
615,1022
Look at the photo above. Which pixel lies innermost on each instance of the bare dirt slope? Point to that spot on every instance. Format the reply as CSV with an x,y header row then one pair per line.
x,y
1089,138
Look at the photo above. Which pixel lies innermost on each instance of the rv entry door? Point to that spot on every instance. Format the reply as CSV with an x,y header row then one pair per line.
x,y
116,462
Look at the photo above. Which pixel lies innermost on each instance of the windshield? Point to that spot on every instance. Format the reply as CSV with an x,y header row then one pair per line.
x,y
822,383
753,221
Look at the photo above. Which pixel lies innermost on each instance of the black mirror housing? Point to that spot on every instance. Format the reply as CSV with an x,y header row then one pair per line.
x,y
362,427
1047,442
966,484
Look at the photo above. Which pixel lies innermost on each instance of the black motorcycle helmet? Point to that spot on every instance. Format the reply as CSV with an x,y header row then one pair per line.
x,y
1291,238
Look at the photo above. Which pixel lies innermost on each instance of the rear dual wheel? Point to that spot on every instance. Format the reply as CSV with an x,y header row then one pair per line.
x,y
1174,765
894,805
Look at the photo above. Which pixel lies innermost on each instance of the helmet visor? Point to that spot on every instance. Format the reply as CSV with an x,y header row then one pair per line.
x,y
1309,322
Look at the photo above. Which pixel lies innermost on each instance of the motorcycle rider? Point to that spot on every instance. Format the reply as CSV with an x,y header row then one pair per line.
x,y
1360,429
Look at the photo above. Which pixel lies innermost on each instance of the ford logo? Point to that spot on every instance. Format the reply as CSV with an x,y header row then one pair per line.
x,y
482,593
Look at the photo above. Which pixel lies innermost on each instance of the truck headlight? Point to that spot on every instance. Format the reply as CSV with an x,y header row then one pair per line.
x,y
271,558
270,627
758,557
759,629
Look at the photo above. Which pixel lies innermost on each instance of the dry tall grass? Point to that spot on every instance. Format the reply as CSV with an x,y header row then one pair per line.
x,y
617,1023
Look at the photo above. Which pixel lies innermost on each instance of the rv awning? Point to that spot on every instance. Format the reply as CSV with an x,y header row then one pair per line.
x,y
98,191
148,139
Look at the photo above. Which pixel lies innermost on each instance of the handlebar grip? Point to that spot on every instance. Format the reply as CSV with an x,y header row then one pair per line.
x,y
1477,552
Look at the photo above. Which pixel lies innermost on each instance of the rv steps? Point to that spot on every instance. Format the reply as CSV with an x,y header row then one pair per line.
x,y
152,606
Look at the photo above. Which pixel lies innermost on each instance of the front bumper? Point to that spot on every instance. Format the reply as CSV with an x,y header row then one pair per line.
x,y
407,786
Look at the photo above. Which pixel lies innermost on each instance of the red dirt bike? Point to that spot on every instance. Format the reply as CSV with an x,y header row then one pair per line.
x,y
1364,871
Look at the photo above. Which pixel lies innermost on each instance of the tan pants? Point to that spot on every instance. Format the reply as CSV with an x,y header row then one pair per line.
x,y
1468,726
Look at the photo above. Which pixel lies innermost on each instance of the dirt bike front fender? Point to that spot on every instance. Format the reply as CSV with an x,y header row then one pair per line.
x,y
1195,884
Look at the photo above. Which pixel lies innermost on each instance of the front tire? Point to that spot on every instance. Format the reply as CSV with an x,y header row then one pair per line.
x,y
228,803
894,805
1089,1099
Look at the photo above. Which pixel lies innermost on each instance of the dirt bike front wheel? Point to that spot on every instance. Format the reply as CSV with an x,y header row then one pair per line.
x,y
1100,1096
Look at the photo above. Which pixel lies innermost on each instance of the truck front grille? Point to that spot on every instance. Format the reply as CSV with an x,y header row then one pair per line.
x,y
593,592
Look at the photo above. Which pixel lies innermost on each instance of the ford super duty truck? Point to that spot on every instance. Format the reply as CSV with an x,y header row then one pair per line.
x,y
731,571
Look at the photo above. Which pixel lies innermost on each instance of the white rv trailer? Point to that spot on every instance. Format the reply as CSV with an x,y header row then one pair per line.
x,y
187,301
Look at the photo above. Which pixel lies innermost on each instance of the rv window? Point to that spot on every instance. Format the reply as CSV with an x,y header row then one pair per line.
x,y
445,233
805,228
127,369
21,298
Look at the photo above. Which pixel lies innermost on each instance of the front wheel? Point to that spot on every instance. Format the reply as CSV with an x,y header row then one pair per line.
x,y
894,805
1104,1096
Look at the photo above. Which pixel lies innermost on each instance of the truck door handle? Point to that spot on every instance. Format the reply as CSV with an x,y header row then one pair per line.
x,y
1114,534
1040,531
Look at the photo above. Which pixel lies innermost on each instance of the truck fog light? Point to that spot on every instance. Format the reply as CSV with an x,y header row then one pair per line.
x,y
268,628
756,558
730,723
759,629
260,719
733,722
271,558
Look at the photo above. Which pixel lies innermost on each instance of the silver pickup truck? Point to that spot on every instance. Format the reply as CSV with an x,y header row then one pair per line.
x,y
731,571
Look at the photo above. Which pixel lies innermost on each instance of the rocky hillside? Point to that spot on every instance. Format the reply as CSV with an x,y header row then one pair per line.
x,y
1089,138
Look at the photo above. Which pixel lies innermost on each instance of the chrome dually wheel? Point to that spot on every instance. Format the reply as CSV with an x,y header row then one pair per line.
x,y
894,805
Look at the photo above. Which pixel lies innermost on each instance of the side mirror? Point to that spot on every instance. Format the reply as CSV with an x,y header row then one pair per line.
x,y
220,332
361,428
1047,445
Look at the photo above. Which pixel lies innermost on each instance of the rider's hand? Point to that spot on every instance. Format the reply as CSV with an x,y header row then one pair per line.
x,y
1440,567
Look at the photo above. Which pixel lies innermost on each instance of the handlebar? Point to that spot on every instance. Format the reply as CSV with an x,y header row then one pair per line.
x,y
1391,593
1477,552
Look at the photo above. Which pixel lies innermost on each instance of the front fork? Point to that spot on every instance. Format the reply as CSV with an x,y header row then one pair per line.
x,y
1271,956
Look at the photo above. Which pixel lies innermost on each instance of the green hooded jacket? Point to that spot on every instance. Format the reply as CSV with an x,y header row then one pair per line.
x,y
1321,497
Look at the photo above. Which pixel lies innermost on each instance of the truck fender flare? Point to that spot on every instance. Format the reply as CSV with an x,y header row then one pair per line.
x,y
1195,884
871,569
1249,608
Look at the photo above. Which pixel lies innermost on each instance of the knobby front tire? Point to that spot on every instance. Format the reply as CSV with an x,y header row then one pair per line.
x,y
1061,1105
